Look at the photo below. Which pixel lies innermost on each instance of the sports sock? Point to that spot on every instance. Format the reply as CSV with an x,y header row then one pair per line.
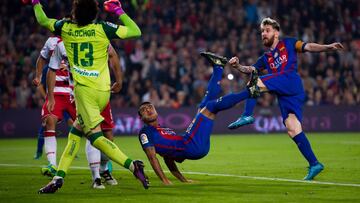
x,y
93,157
249,107
104,162
50,146
213,88
305,148
110,149
227,101
70,151
40,140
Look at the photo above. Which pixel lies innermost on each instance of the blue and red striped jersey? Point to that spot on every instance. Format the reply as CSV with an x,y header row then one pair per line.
x,y
281,59
165,140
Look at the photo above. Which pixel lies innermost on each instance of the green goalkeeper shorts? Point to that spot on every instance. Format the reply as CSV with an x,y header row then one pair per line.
x,y
89,104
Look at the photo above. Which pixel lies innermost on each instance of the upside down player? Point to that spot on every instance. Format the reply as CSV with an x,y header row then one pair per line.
x,y
86,46
195,143
285,82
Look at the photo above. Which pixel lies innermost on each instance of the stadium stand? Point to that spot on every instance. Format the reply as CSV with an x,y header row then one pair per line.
x,y
164,65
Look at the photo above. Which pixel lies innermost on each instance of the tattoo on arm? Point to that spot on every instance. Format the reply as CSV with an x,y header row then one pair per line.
x,y
246,69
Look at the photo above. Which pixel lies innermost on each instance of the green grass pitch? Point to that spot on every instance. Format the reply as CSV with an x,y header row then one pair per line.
x,y
248,168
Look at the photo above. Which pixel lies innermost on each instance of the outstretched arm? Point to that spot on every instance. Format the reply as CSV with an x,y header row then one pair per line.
x,y
314,47
170,163
130,28
151,154
41,17
234,62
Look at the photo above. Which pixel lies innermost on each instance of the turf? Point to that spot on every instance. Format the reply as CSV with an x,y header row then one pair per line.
x,y
230,168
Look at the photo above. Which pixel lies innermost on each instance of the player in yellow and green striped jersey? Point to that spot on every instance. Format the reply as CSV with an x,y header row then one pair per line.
x,y
86,43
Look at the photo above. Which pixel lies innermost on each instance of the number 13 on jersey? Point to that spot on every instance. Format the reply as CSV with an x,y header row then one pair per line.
x,y
86,50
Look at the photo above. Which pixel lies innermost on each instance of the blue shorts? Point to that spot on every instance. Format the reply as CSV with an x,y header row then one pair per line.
x,y
289,90
197,137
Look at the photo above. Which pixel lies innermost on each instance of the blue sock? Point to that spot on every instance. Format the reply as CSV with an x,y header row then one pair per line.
x,y
40,141
227,101
249,107
213,88
304,146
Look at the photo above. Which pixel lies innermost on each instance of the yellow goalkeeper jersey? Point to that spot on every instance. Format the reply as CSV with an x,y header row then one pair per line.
x,y
87,51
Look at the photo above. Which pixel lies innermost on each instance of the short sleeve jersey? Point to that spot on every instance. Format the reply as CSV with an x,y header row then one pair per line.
x,y
166,142
281,59
63,84
49,47
58,56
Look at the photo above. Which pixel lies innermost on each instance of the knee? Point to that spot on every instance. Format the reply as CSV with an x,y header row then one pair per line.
x,y
293,126
211,106
291,130
50,123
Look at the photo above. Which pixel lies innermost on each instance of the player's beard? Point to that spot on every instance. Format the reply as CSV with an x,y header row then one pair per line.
x,y
268,42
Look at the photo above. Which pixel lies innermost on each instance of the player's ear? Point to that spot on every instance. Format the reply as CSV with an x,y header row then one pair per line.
x,y
277,34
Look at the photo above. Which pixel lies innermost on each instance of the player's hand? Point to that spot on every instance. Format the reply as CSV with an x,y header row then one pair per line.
x,y
50,104
335,46
234,62
114,7
36,81
64,65
33,2
116,87
190,181
167,182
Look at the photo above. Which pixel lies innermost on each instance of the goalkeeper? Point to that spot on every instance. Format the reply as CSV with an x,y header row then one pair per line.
x,y
86,44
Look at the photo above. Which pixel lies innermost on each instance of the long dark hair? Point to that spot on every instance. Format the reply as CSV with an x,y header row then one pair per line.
x,y
84,11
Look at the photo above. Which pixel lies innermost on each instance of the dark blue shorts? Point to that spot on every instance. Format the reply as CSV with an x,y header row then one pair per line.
x,y
289,90
197,137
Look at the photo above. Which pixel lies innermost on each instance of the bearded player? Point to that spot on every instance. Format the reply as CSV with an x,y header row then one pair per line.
x,y
284,81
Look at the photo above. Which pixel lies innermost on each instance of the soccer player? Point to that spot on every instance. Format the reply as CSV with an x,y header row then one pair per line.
x,y
86,45
98,162
283,80
40,82
195,143
57,102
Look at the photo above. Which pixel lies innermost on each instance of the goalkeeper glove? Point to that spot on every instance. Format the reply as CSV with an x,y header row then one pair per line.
x,y
33,2
113,6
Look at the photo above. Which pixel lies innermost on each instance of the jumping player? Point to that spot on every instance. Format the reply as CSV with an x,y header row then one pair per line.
x,y
195,143
86,46
283,80
98,163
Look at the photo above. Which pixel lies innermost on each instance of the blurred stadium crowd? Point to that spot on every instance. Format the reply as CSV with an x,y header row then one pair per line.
x,y
164,65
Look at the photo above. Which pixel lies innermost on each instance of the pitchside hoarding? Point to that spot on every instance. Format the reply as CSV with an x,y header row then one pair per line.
x,y
25,123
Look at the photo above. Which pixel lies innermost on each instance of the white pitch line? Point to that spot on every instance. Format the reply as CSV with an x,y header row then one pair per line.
x,y
214,174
